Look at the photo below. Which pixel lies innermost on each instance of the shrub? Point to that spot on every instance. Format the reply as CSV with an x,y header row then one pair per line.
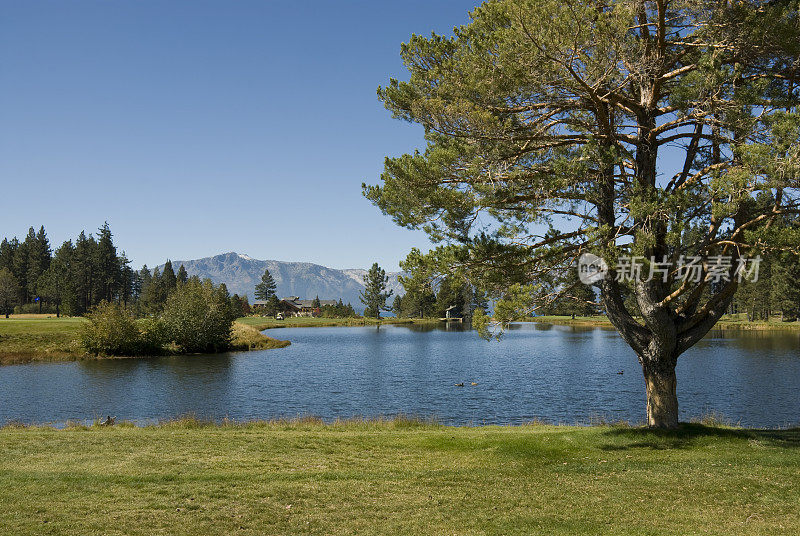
x,y
152,336
198,318
113,331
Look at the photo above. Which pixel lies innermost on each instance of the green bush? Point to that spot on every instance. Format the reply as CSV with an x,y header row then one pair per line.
x,y
113,331
198,318
152,336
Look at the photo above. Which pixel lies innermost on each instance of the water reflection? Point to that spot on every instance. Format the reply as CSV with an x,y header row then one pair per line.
x,y
557,373
766,342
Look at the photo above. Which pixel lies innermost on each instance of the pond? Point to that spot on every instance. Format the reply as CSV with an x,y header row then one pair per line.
x,y
558,374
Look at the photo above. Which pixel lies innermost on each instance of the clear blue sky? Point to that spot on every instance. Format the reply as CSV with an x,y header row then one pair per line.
x,y
199,127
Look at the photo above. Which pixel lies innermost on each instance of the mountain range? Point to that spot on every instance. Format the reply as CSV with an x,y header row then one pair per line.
x,y
241,273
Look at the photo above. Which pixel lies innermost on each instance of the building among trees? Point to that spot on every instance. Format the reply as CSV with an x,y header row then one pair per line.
x,y
294,306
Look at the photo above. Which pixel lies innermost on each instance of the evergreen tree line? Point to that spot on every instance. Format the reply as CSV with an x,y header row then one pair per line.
x,y
72,279
340,310
776,293
151,290
81,274
422,301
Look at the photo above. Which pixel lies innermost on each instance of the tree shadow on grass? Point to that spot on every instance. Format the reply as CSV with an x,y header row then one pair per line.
x,y
690,434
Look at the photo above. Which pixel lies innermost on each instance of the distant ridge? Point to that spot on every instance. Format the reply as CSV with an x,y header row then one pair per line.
x,y
241,273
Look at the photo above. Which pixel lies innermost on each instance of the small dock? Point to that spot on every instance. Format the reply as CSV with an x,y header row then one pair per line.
x,y
448,317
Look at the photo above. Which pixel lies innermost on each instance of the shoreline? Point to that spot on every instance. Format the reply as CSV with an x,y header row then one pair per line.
x,y
54,340
711,420
47,339
262,323
602,321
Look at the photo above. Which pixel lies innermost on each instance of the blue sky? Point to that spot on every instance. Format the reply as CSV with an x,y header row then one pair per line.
x,y
199,127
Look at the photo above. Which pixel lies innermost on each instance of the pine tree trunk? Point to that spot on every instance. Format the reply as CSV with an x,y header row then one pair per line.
x,y
662,397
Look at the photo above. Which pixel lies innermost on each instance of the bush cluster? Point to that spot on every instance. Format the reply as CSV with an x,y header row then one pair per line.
x,y
197,318
113,330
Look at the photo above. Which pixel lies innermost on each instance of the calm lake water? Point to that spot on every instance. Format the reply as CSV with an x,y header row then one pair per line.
x,y
555,373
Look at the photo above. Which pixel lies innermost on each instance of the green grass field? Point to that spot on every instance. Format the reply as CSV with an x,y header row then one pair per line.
x,y
39,338
397,477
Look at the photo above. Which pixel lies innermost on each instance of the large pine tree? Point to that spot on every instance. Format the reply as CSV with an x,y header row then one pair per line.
x,y
107,266
144,282
183,275
9,291
7,250
374,295
553,129
85,271
22,263
168,278
39,256
266,288
127,279
56,284
155,294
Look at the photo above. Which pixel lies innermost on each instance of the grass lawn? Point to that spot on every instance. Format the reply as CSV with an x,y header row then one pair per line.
x,y
397,477
597,320
39,338
26,338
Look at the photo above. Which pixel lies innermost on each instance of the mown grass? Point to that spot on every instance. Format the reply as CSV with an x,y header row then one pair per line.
x,y
39,338
397,477
44,338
